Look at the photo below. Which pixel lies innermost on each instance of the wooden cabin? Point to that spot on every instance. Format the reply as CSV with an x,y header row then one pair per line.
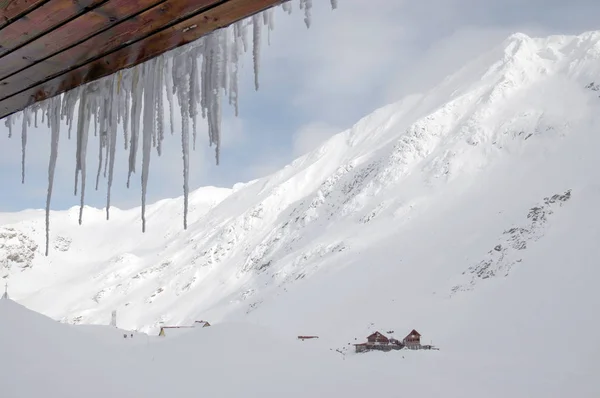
x,y
412,341
378,338
378,341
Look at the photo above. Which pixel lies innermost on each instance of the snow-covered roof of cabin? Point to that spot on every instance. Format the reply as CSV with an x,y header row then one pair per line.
x,y
173,331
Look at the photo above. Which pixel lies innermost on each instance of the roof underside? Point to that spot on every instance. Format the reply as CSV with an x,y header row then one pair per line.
x,y
48,47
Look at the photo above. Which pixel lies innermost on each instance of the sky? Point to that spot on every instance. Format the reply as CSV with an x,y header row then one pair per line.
x,y
314,83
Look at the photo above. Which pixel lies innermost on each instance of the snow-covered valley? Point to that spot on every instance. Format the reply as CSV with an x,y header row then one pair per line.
x,y
468,213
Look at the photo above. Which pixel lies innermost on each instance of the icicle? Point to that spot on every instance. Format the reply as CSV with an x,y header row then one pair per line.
x,y
9,123
24,143
287,7
224,61
234,69
136,109
105,154
95,116
126,118
55,134
193,97
169,87
112,146
256,48
205,91
307,6
148,133
55,131
270,22
82,139
100,158
160,106
71,113
185,149
181,79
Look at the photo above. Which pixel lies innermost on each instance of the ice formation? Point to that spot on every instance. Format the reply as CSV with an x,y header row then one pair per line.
x,y
196,75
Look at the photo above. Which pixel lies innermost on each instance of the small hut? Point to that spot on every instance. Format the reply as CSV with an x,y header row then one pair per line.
x,y
378,338
412,341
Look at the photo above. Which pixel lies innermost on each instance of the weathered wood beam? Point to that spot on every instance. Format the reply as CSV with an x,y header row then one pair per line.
x,y
41,20
13,9
183,32
130,30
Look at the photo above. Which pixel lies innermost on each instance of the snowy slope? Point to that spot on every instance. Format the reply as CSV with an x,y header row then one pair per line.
x,y
468,212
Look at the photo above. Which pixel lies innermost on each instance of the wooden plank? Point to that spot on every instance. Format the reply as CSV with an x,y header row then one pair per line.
x,y
72,33
130,30
143,50
13,9
41,20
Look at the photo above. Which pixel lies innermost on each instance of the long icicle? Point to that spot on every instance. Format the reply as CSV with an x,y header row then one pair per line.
x,y
80,123
148,133
83,135
160,104
136,109
256,47
55,135
112,145
26,115
185,149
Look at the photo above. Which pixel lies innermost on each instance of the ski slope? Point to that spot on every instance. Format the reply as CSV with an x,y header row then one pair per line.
x,y
467,212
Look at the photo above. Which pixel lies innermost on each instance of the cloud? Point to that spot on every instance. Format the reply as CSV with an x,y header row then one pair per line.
x,y
311,136
304,140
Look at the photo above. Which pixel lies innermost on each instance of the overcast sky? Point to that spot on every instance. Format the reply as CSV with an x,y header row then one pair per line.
x,y
314,83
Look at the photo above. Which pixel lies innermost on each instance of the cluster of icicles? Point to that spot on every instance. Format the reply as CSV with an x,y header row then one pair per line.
x,y
198,74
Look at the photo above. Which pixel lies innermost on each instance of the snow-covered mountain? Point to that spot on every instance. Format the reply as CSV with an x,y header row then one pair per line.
x,y
468,212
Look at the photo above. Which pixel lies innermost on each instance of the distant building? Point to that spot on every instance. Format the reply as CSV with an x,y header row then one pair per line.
x,y
413,340
378,341
307,337
378,338
5,295
175,330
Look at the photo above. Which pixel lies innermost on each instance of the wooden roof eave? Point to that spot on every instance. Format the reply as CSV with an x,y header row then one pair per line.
x,y
78,45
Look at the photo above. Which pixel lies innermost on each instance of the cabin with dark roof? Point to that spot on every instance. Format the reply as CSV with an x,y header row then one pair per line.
x,y
378,338
412,341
